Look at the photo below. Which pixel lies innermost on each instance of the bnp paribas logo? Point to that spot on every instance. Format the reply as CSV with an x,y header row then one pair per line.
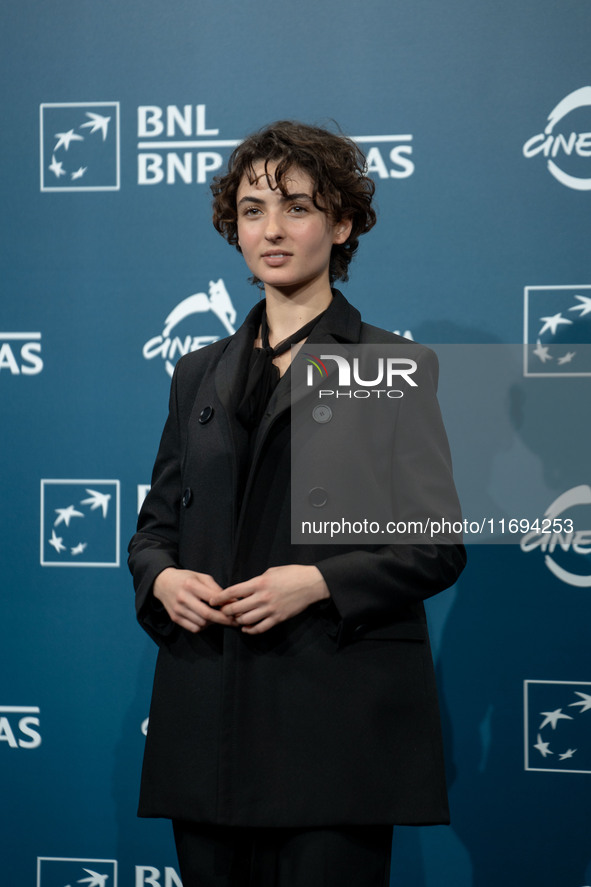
x,y
79,146
64,871
80,522
557,330
557,718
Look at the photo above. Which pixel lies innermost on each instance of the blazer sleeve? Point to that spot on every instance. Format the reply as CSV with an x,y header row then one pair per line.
x,y
154,547
377,585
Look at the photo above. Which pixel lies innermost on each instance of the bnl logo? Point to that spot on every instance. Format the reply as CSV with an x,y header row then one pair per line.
x,y
61,871
79,146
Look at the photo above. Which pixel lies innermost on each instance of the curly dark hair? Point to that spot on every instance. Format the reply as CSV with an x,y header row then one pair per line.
x,y
335,164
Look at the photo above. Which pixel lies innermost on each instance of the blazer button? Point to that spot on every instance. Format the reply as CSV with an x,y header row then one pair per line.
x,y
187,497
322,414
317,497
205,415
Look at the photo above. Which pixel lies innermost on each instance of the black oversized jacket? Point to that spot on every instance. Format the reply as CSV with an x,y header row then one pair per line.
x,y
331,717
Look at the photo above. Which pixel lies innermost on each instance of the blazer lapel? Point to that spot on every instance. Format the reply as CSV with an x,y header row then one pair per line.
x,y
229,384
340,324
229,377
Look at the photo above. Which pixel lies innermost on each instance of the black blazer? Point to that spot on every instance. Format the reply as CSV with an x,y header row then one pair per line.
x,y
331,717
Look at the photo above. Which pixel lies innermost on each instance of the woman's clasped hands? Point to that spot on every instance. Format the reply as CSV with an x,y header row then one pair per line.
x,y
195,600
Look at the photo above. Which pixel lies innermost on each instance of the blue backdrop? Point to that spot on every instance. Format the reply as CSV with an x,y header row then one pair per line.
x,y
476,118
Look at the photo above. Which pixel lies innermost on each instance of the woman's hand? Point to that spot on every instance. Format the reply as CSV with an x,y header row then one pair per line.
x,y
186,595
276,595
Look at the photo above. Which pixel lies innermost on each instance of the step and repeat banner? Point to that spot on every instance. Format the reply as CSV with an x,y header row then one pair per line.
x,y
476,122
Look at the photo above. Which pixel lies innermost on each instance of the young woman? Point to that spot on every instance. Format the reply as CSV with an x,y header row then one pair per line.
x,y
294,717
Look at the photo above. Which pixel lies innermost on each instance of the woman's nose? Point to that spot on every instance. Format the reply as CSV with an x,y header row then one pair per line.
x,y
274,228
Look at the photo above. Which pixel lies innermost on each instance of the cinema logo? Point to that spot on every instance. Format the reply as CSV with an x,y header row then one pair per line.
x,y
176,144
214,310
567,152
20,354
565,552
368,371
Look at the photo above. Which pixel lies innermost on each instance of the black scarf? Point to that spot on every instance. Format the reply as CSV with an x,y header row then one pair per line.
x,y
263,375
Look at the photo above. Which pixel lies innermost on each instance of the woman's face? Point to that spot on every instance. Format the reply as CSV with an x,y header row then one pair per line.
x,y
286,241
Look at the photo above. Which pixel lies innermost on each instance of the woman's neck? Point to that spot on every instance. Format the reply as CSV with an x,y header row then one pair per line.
x,y
287,313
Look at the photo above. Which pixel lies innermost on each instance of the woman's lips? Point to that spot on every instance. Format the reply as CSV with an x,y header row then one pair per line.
x,y
276,258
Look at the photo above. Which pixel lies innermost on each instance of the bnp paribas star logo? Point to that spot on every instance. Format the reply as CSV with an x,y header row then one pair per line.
x,y
557,726
63,871
79,523
79,146
557,330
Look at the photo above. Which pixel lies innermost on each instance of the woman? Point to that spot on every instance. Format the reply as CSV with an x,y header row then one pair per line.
x,y
294,716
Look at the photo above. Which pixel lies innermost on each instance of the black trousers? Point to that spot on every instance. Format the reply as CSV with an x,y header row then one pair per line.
x,y
220,856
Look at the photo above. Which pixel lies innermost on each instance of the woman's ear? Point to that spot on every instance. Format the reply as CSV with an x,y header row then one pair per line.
x,y
342,230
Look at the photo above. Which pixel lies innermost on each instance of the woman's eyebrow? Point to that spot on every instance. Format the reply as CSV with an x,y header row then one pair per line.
x,y
302,196
284,198
247,199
